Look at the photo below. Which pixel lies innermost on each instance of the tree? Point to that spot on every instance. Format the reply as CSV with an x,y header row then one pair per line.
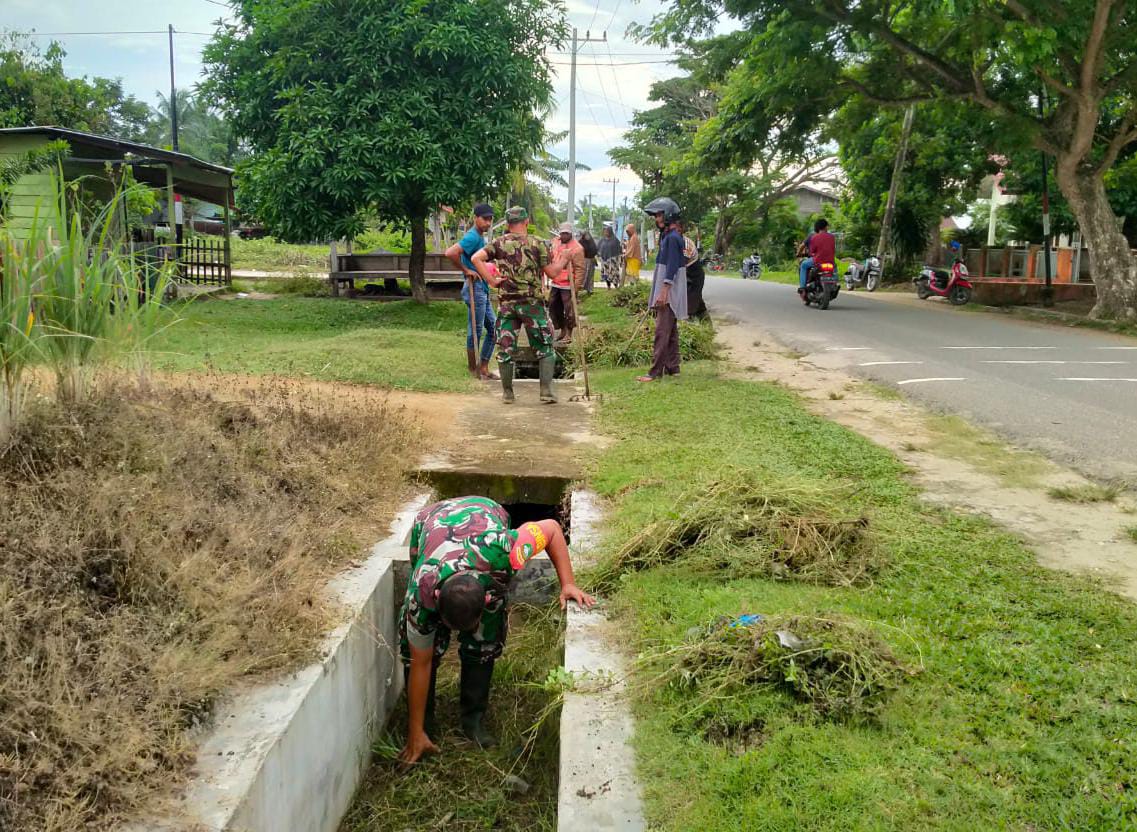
x,y
994,55
202,131
398,106
34,90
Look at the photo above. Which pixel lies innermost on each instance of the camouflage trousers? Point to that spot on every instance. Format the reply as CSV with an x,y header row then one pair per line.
x,y
511,317
485,644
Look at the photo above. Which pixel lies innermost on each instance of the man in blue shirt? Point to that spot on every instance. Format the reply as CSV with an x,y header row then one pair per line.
x,y
668,289
459,254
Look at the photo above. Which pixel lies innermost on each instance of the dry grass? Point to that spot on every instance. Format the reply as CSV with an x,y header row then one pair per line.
x,y
737,525
156,547
839,667
1086,493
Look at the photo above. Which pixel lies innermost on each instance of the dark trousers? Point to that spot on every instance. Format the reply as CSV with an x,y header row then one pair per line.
x,y
665,349
561,313
696,277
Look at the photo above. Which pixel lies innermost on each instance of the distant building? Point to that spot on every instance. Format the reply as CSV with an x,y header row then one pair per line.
x,y
811,200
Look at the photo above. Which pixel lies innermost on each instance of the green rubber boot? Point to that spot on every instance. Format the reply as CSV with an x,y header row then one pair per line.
x,y
506,370
547,367
473,699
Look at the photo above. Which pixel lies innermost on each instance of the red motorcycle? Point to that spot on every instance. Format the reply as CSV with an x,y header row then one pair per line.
x,y
953,285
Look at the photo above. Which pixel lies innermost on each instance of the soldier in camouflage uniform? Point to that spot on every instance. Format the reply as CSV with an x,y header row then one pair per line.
x,y
521,259
463,556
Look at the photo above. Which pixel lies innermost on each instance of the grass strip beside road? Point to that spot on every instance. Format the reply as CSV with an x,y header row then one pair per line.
x,y
399,344
1021,715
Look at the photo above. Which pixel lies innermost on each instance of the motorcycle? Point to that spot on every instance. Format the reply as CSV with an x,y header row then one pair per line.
x,y
821,285
752,267
715,263
867,273
953,285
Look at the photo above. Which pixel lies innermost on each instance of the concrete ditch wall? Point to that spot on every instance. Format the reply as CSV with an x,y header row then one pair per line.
x,y
288,756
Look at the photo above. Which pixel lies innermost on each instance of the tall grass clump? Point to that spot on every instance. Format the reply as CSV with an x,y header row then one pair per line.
x,y
90,302
17,345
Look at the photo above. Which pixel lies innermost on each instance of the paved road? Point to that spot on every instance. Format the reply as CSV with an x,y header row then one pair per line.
x,y
1068,393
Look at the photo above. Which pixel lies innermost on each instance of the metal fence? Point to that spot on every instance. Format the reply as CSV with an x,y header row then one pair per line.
x,y
201,260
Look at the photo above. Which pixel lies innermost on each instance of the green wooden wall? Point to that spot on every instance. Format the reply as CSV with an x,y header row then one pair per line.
x,y
29,193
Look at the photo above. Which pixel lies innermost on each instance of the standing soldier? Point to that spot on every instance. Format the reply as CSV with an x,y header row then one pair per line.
x,y
521,260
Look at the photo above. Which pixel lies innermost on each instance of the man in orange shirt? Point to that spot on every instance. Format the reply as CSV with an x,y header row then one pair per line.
x,y
561,310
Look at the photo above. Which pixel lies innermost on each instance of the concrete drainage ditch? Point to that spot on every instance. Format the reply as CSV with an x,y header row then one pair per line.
x,y
289,756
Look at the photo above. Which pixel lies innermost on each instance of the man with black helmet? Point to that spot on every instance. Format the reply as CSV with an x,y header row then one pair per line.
x,y
668,289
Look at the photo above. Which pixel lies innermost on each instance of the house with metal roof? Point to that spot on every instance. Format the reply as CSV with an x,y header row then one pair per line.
x,y
99,163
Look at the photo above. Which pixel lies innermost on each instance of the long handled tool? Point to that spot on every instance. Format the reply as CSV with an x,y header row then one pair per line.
x,y
474,330
580,333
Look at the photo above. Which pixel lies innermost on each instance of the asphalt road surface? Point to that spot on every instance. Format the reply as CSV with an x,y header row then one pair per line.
x,y
1068,393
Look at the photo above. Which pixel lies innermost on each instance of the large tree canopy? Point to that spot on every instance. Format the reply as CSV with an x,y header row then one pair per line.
x,y
994,55
397,106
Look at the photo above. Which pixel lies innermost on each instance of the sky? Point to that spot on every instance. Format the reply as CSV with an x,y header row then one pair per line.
x,y
613,78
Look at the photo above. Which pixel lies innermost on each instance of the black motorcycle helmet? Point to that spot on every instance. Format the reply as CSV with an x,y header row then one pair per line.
x,y
663,205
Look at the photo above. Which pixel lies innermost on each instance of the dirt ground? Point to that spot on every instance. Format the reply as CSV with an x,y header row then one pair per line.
x,y
978,473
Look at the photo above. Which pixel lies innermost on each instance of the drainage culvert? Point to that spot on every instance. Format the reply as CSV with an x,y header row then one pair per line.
x,y
513,786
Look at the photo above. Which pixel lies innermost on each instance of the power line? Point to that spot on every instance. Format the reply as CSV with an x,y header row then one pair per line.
x,y
600,81
616,79
133,32
618,63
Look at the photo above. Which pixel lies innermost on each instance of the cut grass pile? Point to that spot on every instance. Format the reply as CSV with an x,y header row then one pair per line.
x,y
463,789
399,344
840,668
736,525
1087,493
1025,714
1131,533
619,331
156,546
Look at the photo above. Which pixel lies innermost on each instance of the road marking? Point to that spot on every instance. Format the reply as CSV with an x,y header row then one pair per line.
x,y
1008,361
846,349
1116,348
1130,380
999,348
918,380
886,363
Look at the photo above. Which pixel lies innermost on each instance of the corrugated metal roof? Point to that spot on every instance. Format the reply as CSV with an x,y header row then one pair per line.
x,y
144,150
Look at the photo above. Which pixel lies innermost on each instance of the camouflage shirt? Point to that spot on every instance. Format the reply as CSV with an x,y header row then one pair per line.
x,y
520,259
461,534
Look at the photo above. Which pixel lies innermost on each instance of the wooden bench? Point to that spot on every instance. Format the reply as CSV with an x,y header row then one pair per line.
x,y
443,281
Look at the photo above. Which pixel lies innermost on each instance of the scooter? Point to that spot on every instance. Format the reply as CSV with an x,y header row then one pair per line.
x,y
821,285
953,285
867,273
752,267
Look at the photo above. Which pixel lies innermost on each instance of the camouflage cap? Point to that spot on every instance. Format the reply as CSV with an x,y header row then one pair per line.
x,y
516,214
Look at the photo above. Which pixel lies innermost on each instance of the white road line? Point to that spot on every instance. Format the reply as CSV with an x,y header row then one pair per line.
x,y
1130,380
1115,348
886,363
999,348
918,380
1007,361
846,349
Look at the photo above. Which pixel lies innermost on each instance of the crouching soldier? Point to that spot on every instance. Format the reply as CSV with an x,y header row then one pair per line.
x,y
463,556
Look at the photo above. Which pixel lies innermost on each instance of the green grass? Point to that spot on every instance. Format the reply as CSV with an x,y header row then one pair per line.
x,y
398,344
268,255
1131,533
462,789
1023,716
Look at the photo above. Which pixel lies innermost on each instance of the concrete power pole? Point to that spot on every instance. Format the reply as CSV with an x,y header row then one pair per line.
x,y
894,186
614,182
173,98
577,42
590,212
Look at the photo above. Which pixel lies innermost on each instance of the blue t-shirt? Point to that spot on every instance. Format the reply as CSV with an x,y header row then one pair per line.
x,y
472,243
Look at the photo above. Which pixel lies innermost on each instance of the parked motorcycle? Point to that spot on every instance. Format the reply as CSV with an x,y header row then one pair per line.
x,y
752,267
715,263
867,273
821,285
953,285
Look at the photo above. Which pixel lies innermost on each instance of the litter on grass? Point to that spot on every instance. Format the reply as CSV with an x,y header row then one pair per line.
x,y
739,527
840,667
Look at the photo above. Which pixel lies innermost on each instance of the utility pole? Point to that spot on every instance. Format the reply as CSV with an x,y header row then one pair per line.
x,y
577,42
894,186
614,182
173,96
590,212
1048,289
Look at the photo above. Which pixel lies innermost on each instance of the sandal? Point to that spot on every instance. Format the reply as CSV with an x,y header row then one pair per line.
x,y
646,379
